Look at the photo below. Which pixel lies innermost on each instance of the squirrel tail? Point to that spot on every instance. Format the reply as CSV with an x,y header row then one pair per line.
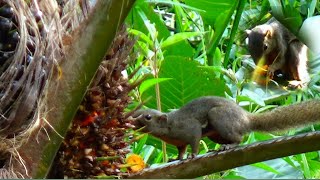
x,y
286,117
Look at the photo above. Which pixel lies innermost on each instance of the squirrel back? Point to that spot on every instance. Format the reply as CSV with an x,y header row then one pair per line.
x,y
200,112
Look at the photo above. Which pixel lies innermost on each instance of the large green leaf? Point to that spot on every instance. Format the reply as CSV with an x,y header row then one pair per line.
x,y
211,9
188,81
182,48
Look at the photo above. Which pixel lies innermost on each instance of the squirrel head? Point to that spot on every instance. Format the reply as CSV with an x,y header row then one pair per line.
x,y
259,41
153,121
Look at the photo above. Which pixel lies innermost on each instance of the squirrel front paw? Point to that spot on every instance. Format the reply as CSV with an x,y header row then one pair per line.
x,y
271,72
192,155
296,84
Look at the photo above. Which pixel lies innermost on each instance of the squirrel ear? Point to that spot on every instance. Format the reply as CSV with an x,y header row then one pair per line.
x,y
163,121
247,31
267,33
163,117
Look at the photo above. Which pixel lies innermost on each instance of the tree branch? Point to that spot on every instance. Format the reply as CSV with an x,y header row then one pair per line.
x,y
219,161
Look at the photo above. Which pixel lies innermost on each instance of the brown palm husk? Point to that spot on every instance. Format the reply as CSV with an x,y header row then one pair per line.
x,y
42,26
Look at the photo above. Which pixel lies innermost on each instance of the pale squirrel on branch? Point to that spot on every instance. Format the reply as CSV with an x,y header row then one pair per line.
x,y
221,120
281,51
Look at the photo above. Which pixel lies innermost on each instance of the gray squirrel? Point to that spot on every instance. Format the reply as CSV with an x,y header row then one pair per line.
x,y
221,120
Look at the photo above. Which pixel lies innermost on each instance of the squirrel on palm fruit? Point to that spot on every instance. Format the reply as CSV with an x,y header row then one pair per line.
x,y
221,120
280,50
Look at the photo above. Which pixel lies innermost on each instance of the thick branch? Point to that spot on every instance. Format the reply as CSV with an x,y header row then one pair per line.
x,y
66,91
219,161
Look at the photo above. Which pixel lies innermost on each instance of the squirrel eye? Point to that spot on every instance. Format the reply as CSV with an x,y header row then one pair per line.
x,y
265,46
148,117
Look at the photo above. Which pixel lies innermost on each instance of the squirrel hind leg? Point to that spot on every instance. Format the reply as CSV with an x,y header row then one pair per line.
x,y
297,56
225,147
229,123
195,147
182,151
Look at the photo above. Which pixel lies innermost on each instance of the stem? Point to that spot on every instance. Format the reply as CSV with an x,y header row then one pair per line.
x,y
157,88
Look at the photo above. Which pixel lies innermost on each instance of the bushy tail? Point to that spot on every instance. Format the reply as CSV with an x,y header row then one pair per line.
x,y
286,117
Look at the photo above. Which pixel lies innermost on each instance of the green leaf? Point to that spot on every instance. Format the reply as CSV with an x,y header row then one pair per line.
x,y
171,40
174,3
139,146
250,96
314,168
148,152
258,136
141,36
171,149
144,49
151,82
312,8
234,29
286,14
141,13
217,14
265,167
189,81
305,165
285,171
290,161
211,10
182,48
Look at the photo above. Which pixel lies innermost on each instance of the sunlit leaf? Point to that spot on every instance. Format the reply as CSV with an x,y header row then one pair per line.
x,y
151,82
266,167
178,38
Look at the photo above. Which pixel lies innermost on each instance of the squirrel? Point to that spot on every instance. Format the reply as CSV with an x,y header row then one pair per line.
x,y
281,50
221,120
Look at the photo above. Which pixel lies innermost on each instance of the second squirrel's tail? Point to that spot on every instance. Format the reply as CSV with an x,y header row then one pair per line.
x,y
286,117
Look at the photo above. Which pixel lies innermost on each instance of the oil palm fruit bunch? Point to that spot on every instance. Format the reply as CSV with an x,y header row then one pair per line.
x,y
96,145
24,66
9,36
28,48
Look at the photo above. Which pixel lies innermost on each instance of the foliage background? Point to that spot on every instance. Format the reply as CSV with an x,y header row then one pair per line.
x,y
187,49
